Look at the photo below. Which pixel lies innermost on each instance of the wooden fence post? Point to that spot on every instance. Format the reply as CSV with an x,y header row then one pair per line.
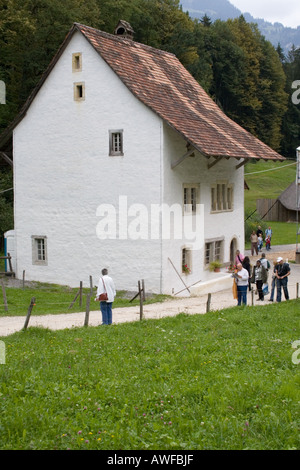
x,y
141,300
87,309
32,303
297,290
208,303
74,300
4,296
9,262
80,294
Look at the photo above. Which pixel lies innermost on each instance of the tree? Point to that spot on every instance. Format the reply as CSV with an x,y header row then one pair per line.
x,y
291,121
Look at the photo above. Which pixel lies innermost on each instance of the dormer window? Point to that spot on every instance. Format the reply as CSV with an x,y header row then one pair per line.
x,y
77,62
124,30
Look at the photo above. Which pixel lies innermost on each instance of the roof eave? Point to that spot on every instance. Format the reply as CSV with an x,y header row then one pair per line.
x,y
7,133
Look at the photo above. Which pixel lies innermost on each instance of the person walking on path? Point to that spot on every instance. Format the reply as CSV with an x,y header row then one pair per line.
x,y
106,286
282,271
253,240
259,277
241,277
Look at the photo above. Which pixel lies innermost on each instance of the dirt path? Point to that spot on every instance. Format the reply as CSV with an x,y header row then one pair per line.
x,y
189,305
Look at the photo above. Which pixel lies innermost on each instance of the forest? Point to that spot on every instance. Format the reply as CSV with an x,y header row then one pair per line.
x,y
247,77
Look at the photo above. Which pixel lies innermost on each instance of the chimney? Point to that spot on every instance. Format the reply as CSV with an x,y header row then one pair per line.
x,y
124,29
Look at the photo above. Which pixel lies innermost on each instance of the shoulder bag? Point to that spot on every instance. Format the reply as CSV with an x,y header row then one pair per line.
x,y
103,297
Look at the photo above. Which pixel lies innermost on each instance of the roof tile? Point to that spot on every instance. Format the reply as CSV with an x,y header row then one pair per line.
x,y
159,80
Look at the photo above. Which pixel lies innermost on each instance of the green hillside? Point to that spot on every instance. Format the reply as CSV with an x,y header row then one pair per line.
x,y
267,180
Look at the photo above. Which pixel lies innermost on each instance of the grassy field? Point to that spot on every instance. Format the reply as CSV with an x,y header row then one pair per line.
x,y
267,180
224,380
55,299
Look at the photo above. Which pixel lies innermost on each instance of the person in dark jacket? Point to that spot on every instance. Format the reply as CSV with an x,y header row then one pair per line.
x,y
282,271
246,265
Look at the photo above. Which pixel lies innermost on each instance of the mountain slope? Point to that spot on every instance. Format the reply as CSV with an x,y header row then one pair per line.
x,y
223,10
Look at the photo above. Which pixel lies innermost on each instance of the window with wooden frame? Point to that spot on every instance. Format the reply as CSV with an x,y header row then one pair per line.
x,y
116,143
79,91
190,198
76,62
221,197
39,250
214,251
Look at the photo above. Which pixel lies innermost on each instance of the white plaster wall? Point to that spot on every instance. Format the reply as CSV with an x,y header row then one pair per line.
x,y
229,224
63,173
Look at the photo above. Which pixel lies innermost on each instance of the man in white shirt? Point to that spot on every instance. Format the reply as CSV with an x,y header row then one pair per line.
x,y
106,285
242,277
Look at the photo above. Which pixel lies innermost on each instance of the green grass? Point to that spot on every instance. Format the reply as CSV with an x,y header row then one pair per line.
x,y
224,380
55,299
269,184
269,180
283,234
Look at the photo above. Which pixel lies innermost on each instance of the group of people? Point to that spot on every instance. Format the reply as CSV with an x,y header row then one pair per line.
x,y
257,241
259,274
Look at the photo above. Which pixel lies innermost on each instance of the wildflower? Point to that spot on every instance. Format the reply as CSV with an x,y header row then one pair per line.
x,y
79,432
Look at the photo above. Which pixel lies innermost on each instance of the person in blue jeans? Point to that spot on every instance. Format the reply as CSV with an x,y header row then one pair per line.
x,y
282,271
242,277
106,285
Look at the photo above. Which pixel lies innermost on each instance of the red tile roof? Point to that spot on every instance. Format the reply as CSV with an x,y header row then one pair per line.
x,y
159,80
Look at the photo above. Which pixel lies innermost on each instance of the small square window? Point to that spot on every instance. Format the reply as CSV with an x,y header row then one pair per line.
x,y
79,91
77,62
39,250
116,143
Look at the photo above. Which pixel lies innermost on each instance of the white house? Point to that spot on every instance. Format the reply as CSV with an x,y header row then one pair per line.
x,y
121,160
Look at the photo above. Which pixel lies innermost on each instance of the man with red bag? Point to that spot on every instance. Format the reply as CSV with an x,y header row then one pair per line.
x,y
106,293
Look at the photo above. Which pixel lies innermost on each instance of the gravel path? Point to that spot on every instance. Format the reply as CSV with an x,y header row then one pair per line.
x,y
189,305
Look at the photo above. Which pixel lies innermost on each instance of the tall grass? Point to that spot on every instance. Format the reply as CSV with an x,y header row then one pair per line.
x,y
224,380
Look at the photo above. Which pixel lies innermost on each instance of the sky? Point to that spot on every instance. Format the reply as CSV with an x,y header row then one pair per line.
x,y
286,12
